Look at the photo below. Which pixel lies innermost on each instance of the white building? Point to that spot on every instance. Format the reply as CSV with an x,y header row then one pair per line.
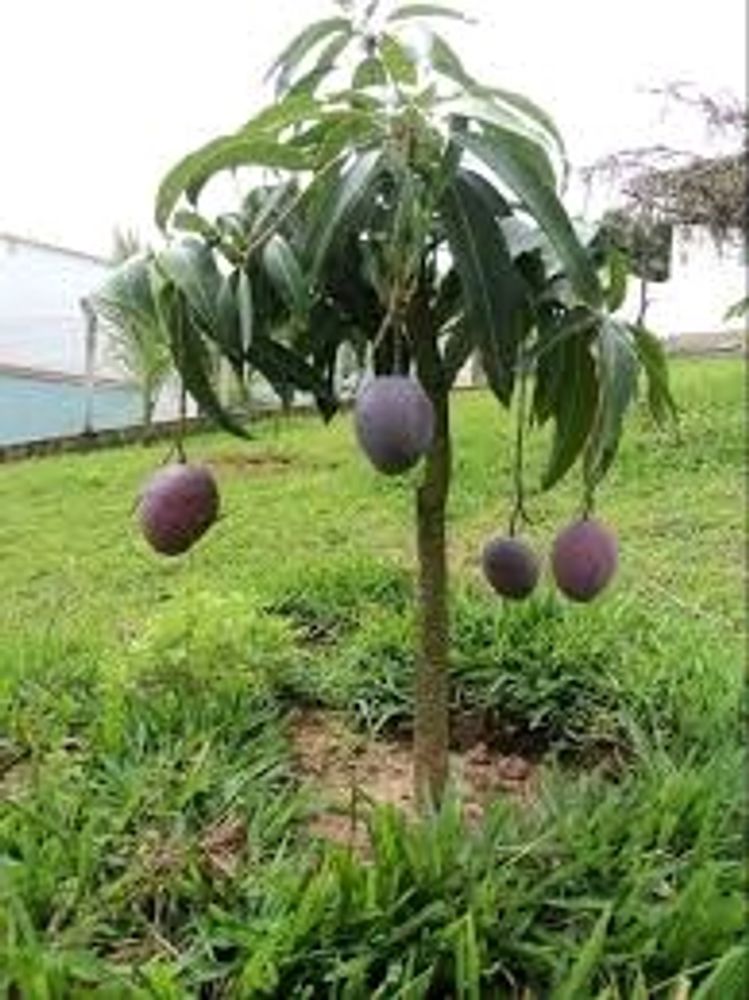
x,y
705,281
44,391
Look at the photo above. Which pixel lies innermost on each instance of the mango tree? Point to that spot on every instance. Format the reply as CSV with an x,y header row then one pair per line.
x,y
396,205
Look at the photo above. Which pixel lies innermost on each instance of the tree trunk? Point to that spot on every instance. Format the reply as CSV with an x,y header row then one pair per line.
x,y
431,722
431,725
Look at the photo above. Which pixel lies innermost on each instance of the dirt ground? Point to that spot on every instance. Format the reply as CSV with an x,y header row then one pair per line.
x,y
349,772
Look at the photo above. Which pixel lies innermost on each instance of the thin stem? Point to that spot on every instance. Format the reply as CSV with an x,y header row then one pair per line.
x,y
519,514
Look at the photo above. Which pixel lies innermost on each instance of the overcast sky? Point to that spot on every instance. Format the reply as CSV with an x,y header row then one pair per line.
x,y
98,97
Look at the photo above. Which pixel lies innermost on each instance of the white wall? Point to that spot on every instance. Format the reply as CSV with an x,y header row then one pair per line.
x,y
41,323
704,282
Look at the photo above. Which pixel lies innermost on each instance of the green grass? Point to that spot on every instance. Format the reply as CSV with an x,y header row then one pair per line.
x,y
143,705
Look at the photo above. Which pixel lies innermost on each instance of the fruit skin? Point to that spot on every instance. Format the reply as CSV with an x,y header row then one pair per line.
x,y
394,421
177,506
584,559
511,567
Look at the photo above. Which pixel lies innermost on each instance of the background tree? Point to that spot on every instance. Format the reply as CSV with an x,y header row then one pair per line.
x,y
137,338
397,205
662,187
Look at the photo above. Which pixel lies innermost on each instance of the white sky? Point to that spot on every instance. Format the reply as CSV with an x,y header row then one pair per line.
x,y
99,97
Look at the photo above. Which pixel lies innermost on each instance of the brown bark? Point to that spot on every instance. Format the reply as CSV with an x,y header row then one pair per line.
x,y
431,721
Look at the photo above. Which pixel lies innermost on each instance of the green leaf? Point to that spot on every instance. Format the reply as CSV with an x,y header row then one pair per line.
x,y
617,381
192,359
492,292
397,61
532,111
653,360
284,368
342,197
294,109
445,61
286,274
228,323
483,111
246,310
515,161
419,10
304,42
192,222
570,394
369,73
577,983
190,265
618,268
230,151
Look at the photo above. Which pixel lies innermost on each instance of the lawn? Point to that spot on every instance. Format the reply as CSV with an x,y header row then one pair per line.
x,y
157,838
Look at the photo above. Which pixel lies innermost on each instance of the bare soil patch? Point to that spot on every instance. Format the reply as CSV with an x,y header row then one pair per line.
x,y
351,772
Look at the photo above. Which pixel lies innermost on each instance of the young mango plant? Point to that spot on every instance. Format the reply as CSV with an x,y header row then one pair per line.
x,y
398,205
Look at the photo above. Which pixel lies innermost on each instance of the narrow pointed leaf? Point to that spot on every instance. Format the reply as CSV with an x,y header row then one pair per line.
x,y
492,293
618,268
228,322
515,162
533,112
192,173
304,42
193,360
445,61
574,406
342,197
653,360
286,274
369,73
425,10
245,306
190,265
617,381
294,109
483,111
398,61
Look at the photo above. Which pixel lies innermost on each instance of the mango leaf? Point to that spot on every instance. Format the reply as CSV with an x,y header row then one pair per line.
x,y
532,111
245,307
493,295
195,170
397,61
190,265
570,395
227,322
304,42
192,222
617,385
515,161
445,61
286,274
618,268
294,109
284,369
483,111
653,360
423,10
369,73
341,199
191,358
